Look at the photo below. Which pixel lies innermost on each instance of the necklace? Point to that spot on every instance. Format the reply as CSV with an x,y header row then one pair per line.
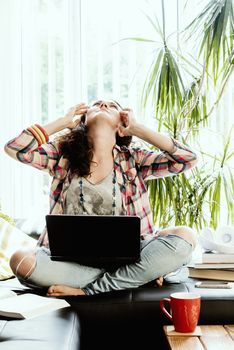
x,y
82,199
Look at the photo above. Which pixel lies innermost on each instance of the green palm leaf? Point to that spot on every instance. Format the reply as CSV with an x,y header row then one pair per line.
x,y
214,25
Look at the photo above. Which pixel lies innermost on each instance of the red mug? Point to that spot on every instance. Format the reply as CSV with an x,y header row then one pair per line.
x,y
185,310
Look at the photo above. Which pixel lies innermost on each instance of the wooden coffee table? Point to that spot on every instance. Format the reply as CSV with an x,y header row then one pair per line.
x,y
213,337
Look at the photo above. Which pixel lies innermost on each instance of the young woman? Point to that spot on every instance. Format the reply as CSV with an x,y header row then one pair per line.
x,y
96,171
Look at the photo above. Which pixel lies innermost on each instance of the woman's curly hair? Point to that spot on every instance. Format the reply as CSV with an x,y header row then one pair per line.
x,y
77,147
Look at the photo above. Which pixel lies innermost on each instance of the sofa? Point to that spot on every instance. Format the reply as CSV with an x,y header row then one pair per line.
x,y
125,319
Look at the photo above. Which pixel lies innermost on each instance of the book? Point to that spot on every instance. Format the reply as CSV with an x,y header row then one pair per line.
x,y
217,258
211,274
6,293
26,306
223,266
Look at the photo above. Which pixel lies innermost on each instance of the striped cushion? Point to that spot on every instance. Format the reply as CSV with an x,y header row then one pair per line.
x,y
11,239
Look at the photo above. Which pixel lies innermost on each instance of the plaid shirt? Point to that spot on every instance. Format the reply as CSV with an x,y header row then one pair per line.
x,y
133,166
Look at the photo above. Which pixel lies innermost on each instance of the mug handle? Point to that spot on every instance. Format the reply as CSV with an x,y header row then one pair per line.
x,y
162,306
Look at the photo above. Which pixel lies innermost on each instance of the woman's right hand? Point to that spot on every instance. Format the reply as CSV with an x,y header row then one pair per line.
x,y
72,117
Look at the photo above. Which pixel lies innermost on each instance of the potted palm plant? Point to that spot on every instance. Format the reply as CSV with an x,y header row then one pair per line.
x,y
182,110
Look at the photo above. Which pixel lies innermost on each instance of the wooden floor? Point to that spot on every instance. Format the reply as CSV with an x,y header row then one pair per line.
x,y
212,338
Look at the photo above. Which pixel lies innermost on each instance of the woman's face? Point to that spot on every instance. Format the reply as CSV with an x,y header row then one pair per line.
x,y
107,111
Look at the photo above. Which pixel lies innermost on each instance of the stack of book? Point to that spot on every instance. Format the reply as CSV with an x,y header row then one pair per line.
x,y
213,266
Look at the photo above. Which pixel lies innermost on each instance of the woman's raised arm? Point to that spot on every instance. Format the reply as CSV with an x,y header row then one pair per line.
x,y
33,147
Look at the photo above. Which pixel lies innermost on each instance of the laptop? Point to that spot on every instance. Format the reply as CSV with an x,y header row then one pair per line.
x,y
94,240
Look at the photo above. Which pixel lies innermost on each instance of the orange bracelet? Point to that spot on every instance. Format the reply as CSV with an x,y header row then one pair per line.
x,y
43,131
42,137
35,134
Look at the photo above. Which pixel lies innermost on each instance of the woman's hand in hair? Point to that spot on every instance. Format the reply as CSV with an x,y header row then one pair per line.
x,y
72,117
128,122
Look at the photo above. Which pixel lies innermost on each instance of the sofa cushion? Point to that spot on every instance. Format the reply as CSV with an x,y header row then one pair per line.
x,y
58,329
143,303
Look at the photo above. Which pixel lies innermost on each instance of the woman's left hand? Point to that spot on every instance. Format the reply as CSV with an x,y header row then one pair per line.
x,y
128,122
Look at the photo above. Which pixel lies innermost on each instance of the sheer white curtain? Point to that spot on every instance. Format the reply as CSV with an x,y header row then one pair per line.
x,y
55,54
21,187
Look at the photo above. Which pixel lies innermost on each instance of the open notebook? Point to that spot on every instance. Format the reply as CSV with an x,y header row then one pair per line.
x,y
27,305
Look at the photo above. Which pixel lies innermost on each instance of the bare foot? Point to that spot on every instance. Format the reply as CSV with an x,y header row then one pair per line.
x,y
159,281
60,290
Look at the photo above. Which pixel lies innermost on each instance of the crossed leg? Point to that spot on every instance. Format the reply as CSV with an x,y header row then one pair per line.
x,y
23,263
184,232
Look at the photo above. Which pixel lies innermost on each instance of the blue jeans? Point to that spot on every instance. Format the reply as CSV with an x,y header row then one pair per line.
x,y
159,256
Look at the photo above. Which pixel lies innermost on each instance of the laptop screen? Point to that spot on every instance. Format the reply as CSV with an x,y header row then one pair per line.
x,y
93,239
